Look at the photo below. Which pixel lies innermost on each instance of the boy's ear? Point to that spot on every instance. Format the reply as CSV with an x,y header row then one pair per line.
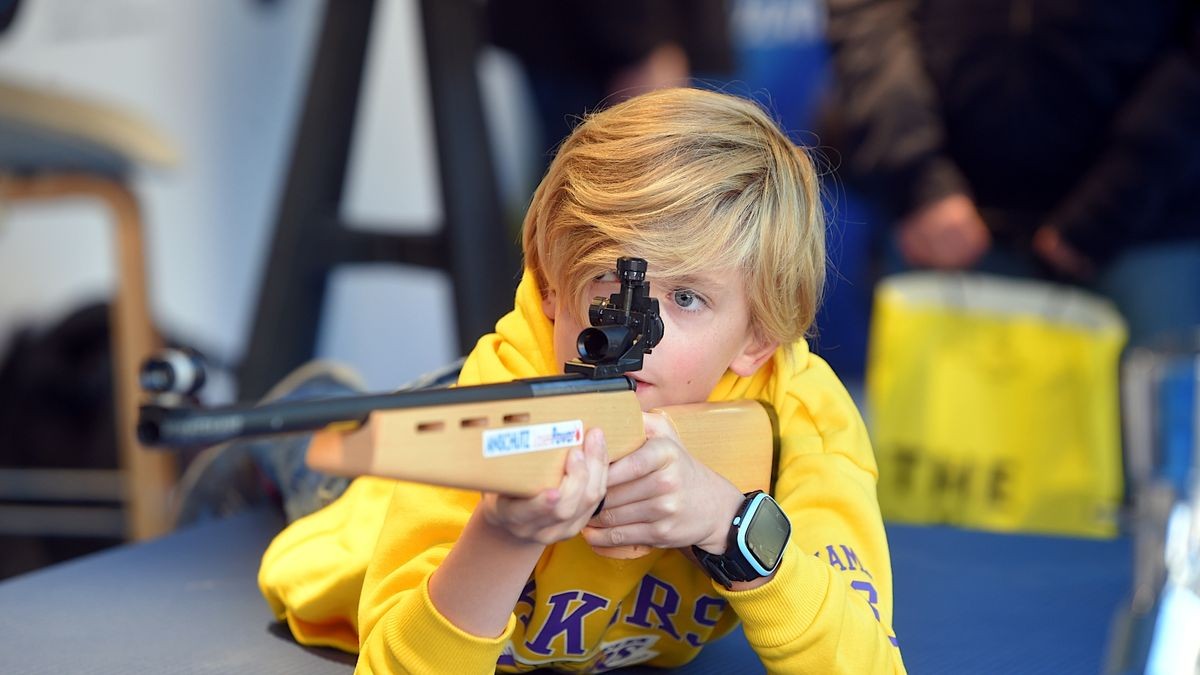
x,y
755,353
550,304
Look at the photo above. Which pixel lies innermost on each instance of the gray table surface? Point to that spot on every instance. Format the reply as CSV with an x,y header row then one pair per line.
x,y
188,603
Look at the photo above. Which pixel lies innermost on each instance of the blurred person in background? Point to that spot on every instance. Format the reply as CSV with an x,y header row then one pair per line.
x,y
1052,139
581,56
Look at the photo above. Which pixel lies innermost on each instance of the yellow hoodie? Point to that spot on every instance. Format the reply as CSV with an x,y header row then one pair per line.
x,y
828,609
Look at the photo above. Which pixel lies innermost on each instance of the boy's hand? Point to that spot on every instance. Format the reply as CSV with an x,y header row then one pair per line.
x,y
661,496
557,513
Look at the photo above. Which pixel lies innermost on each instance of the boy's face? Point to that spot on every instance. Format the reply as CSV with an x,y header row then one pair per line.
x,y
706,322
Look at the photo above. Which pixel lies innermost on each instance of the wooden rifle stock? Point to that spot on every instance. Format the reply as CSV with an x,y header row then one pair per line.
x,y
446,445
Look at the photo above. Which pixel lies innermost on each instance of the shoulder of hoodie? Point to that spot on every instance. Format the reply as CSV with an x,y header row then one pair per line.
x,y
810,400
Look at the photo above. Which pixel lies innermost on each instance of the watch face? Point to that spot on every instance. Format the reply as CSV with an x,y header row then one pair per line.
x,y
767,534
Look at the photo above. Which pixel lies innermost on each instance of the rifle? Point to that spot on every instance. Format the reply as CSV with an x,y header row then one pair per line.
x,y
511,438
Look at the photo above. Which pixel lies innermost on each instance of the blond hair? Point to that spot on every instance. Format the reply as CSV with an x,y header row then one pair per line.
x,y
692,181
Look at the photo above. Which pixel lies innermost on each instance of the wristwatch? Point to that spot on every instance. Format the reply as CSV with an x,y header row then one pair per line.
x,y
757,538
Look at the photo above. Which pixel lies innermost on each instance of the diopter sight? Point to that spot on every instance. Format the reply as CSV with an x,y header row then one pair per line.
x,y
625,326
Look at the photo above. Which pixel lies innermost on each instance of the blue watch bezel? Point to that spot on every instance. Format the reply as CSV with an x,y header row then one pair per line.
x,y
743,548
739,563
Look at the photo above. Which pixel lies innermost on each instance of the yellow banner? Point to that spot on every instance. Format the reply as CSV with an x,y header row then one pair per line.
x,y
993,404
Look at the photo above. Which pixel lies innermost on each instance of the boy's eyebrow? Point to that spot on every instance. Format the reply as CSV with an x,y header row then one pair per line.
x,y
707,282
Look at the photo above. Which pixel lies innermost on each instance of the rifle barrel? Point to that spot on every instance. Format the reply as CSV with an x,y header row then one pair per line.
x,y
180,427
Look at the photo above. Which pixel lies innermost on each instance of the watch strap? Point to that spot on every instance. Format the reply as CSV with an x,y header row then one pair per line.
x,y
732,565
724,569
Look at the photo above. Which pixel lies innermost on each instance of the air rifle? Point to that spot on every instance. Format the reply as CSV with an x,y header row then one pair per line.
x,y
511,438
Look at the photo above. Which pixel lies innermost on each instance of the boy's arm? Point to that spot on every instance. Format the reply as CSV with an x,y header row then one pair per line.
x,y
400,630
829,606
311,574
450,607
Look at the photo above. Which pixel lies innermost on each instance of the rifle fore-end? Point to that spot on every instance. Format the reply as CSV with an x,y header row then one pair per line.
x,y
448,445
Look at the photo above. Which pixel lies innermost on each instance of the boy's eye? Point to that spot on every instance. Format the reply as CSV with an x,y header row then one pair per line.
x,y
687,299
606,277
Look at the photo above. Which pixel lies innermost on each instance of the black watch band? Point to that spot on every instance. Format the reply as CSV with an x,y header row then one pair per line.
x,y
723,569
732,565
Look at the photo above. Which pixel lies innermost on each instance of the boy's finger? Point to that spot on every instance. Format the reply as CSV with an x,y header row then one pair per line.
x,y
596,450
652,456
624,535
515,509
631,492
617,516
576,475
594,439
658,426
584,480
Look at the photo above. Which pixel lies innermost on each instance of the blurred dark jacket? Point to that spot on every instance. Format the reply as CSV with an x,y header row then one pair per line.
x,y
1084,115
594,39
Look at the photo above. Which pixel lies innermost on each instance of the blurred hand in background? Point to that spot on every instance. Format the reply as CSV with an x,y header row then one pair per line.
x,y
947,234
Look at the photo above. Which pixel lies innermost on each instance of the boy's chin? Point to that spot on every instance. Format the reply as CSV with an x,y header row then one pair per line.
x,y
647,395
652,396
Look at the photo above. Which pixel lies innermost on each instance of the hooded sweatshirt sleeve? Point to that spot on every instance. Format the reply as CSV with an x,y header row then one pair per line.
x,y
829,607
401,631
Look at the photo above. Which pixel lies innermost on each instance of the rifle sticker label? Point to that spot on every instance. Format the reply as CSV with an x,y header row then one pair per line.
x,y
532,438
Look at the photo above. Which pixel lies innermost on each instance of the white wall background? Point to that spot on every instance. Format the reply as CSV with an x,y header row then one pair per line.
x,y
225,80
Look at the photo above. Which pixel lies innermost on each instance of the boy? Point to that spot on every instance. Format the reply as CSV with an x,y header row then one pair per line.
x,y
726,210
